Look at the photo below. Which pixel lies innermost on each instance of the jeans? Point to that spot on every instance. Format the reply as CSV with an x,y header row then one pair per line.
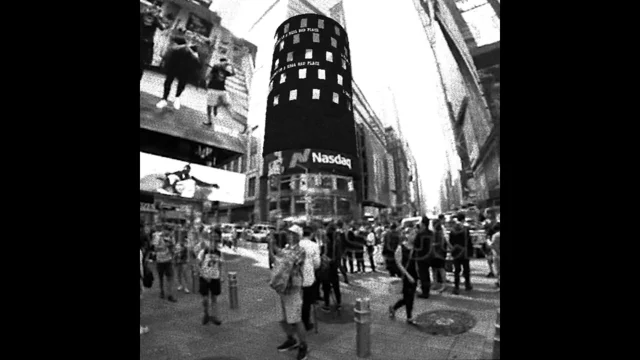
x,y
182,84
408,297
309,297
370,251
333,281
462,264
425,277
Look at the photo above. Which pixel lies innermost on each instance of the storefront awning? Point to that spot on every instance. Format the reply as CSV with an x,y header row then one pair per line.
x,y
185,123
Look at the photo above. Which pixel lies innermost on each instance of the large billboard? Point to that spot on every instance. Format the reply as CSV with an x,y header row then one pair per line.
x,y
310,103
378,187
178,178
310,160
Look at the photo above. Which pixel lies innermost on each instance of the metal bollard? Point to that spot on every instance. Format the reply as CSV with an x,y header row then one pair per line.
x,y
496,338
233,290
363,327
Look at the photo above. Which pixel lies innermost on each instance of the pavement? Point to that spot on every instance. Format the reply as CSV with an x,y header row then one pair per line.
x,y
252,331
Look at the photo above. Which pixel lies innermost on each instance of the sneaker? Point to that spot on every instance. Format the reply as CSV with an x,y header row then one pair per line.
x,y
290,344
176,103
491,275
325,309
456,291
206,319
187,291
392,312
179,288
143,330
172,299
411,321
302,352
215,320
162,104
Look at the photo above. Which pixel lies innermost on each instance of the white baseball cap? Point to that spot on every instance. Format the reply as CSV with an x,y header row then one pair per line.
x,y
296,230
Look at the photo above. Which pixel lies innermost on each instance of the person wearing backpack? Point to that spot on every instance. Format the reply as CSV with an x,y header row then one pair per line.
x,y
309,267
406,265
287,280
460,239
210,266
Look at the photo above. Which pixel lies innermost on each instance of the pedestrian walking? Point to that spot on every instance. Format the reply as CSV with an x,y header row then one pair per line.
x,y
351,246
407,266
181,259
359,249
341,237
331,256
494,244
143,329
287,280
210,265
163,247
438,255
371,247
423,243
309,267
181,63
216,89
390,245
149,23
489,230
460,239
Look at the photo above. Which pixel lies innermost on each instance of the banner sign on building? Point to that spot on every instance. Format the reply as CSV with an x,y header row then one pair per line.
x,y
178,178
311,160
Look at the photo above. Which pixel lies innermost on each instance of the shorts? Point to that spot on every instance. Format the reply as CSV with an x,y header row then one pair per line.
x,y
209,287
217,97
292,307
165,269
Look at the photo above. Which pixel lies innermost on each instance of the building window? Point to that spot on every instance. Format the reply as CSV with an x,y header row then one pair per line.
x,y
290,56
336,98
344,64
316,94
283,78
302,73
293,95
329,56
346,51
334,42
339,79
282,44
303,23
276,100
252,187
308,54
296,38
286,28
270,85
349,105
320,23
337,30
321,74
275,64
316,37
240,164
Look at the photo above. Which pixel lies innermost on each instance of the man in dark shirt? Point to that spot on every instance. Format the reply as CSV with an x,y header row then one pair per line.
x,y
423,242
391,243
216,90
181,62
149,23
460,239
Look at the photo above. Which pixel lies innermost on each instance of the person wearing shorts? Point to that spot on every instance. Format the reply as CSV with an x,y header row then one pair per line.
x,y
163,247
210,261
216,91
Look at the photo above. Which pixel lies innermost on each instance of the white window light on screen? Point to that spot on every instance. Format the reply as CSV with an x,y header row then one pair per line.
x,y
308,54
344,64
275,64
339,79
303,23
286,28
337,30
336,98
302,73
329,56
320,23
316,94
296,38
316,37
275,100
282,44
321,74
293,95
334,42
349,105
283,78
290,56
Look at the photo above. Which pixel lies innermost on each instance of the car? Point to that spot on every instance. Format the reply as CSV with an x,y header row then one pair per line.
x,y
260,232
228,234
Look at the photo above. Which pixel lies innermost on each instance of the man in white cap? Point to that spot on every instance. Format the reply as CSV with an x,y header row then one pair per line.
x,y
311,264
292,302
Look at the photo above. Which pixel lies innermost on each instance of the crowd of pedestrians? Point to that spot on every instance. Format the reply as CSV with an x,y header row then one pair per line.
x,y
306,261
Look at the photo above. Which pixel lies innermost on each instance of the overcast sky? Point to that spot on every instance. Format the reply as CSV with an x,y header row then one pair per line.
x,y
389,49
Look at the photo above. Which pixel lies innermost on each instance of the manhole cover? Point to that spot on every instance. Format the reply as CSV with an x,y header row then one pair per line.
x,y
332,317
445,322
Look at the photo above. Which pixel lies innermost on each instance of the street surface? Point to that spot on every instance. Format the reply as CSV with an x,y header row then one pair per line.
x,y
252,331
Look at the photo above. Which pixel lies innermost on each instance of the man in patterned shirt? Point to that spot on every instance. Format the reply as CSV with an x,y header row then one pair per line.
x,y
210,264
163,246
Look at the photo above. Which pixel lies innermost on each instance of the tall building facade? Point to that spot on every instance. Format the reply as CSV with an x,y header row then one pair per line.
x,y
470,101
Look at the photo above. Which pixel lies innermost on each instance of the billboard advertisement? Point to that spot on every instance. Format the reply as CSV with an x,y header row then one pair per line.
x,y
378,187
178,178
311,160
310,100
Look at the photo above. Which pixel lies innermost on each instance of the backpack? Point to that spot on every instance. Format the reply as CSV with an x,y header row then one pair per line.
x,y
287,271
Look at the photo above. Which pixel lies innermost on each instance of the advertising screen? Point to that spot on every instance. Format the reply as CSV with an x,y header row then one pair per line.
x,y
310,101
310,160
178,178
378,187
